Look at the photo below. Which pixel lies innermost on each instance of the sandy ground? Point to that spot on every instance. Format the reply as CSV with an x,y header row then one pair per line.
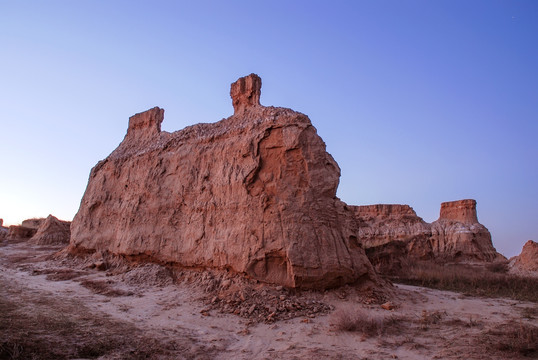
x,y
53,309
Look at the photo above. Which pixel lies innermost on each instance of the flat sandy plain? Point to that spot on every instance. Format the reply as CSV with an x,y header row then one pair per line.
x,y
57,307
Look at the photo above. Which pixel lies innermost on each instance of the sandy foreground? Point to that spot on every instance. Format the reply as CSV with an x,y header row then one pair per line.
x,y
51,308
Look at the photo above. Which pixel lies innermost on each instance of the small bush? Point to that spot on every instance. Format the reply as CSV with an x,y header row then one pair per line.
x,y
358,320
498,267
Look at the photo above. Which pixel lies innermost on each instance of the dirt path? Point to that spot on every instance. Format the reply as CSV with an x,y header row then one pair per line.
x,y
50,309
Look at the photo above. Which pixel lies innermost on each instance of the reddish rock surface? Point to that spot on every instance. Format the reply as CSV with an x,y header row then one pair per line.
x,y
394,234
463,211
3,230
254,193
457,234
527,261
18,232
52,231
32,223
25,231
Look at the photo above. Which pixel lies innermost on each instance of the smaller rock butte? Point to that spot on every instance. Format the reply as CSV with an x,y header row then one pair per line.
x,y
20,232
393,234
52,231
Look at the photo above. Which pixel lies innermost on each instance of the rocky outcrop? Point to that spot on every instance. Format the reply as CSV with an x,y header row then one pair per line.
x,y
19,232
33,223
457,234
52,231
254,193
526,262
3,230
394,234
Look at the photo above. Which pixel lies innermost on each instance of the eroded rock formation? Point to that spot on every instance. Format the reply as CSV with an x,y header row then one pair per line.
x,y
254,193
394,234
26,230
52,231
19,232
3,230
457,234
527,261
33,223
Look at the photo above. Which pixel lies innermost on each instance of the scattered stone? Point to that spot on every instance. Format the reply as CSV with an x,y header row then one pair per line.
x,y
387,306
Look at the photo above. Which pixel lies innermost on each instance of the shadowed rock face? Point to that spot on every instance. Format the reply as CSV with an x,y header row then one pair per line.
x,y
254,193
394,233
20,232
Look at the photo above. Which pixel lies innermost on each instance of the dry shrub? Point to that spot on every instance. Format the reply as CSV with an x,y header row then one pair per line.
x,y
470,280
498,267
517,338
359,320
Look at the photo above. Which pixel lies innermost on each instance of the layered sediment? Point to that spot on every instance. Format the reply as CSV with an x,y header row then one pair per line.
x,y
394,234
254,193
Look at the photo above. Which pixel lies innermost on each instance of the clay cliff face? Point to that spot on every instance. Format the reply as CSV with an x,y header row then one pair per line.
x,y
52,231
392,234
527,261
254,193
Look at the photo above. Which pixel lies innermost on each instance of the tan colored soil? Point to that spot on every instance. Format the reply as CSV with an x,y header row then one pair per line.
x,y
58,308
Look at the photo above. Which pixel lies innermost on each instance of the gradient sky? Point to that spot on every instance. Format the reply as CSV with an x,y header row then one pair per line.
x,y
419,102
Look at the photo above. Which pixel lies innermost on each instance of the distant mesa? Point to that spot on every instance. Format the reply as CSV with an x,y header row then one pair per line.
x,y
40,231
394,234
254,193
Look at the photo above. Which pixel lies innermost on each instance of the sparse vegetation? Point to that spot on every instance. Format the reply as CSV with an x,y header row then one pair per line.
x,y
517,338
470,280
368,324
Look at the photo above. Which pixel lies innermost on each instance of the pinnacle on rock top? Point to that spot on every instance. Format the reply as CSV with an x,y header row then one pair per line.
x,y
245,92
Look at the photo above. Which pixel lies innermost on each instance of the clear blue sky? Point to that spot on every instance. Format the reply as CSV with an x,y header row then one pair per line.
x,y
419,102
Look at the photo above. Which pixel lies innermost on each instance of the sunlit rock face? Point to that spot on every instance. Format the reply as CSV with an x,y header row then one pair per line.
x,y
527,261
457,234
254,193
394,234
52,231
